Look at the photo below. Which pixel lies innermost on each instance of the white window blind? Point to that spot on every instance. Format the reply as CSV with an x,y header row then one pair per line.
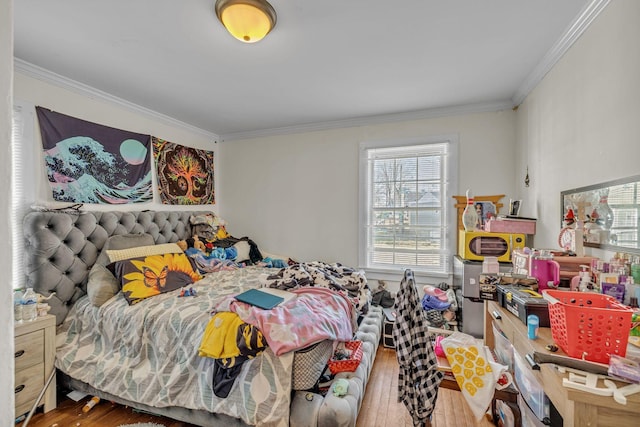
x,y
623,201
407,206
22,184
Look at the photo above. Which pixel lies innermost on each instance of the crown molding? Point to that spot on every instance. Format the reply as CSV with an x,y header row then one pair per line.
x,y
374,120
47,76
573,32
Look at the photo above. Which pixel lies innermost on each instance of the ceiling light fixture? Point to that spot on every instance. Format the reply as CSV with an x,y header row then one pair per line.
x,y
247,20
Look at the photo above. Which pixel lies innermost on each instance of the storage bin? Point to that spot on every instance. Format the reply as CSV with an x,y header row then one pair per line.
x,y
502,348
309,364
589,325
351,363
530,389
529,419
505,415
521,302
387,328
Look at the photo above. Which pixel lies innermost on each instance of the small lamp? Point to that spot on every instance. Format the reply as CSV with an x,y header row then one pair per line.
x,y
247,20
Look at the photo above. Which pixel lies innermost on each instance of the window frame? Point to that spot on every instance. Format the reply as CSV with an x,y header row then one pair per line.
x,y
449,216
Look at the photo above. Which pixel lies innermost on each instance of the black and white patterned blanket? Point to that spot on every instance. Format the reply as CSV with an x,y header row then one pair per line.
x,y
346,280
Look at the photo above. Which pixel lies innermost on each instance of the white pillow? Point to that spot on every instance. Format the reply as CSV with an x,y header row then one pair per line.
x,y
102,285
243,248
140,251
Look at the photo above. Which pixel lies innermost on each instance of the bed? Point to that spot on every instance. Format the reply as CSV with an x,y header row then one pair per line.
x,y
145,355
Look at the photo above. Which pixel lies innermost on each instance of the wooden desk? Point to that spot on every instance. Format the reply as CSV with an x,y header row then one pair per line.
x,y
577,408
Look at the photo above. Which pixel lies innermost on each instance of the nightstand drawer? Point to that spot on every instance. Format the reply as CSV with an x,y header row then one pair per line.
x,y
28,383
29,349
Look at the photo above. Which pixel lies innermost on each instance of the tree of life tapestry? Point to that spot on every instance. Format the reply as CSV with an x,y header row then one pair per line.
x,y
91,163
185,174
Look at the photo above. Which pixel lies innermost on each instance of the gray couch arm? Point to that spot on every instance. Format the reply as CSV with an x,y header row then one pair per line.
x,y
314,410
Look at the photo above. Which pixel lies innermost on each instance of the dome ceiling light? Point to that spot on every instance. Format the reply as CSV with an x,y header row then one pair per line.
x,y
247,20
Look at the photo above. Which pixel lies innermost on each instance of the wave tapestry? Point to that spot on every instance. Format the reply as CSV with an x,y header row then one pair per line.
x,y
91,163
185,174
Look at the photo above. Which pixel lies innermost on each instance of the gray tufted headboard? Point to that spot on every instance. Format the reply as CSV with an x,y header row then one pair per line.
x,y
61,248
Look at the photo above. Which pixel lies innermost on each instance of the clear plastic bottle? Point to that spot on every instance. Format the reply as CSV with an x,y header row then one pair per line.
x,y
29,305
469,216
90,404
17,305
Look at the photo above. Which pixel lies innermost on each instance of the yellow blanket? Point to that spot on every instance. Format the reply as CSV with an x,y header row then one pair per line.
x,y
227,337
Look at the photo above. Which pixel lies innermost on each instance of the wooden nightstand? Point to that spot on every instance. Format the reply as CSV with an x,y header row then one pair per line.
x,y
34,356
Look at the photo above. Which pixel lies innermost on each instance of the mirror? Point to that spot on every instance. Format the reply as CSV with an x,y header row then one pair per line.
x,y
608,214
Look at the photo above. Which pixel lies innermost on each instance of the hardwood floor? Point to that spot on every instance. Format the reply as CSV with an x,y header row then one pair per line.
x,y
104,414
379,407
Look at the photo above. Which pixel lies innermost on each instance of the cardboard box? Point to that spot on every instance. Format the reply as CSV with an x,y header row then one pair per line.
x,y
488,286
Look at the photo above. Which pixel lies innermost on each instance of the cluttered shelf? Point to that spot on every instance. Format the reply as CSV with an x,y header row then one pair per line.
x,y
577,408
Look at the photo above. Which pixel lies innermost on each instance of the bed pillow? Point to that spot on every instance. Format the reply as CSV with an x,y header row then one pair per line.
x,y
244,249
123,241
102,284
142,251
145,277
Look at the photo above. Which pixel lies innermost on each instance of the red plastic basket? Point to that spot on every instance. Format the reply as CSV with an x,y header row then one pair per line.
x,y
589,325
350,364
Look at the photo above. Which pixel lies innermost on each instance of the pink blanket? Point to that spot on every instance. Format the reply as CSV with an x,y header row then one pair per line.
x,y
314,315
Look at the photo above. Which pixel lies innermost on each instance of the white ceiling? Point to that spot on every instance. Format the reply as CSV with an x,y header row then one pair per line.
x,y
326,61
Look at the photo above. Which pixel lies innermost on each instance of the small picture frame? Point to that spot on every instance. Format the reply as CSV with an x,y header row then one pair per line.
x,y
485,210
514,207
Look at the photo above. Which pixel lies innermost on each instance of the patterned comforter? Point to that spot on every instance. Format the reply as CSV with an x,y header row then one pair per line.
x,y
147,353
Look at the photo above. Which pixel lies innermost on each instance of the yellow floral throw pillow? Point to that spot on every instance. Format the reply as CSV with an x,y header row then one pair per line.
x,y
147,276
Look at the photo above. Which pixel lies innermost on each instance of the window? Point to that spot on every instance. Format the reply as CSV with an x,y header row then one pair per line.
x,y
22,183
624,228
407,212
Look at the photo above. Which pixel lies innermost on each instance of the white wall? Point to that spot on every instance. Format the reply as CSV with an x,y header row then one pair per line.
x,y
298,194
7,396
581,125
28,90
36,92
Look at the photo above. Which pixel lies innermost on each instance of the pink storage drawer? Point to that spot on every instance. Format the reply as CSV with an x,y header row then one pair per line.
x,y
510,226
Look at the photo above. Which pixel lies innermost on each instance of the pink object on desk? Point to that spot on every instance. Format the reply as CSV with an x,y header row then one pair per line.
x,y
510,226
438,348
545,270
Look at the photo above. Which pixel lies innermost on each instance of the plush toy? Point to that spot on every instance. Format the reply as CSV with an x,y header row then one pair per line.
x,y
207,226
192,242
221,233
